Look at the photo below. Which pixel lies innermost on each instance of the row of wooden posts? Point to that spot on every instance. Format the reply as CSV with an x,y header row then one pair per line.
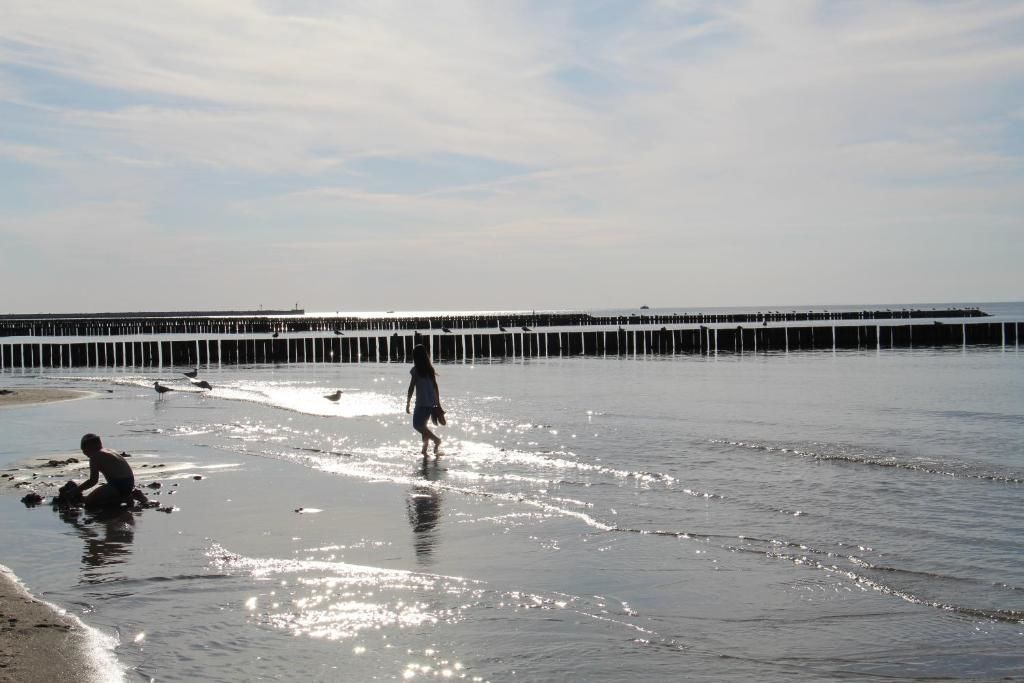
x,y
466,347
105,325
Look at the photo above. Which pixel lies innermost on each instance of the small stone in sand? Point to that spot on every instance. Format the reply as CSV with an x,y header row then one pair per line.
x,y
154,485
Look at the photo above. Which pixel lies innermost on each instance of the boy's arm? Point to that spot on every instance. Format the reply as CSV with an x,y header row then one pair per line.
x,y
94,476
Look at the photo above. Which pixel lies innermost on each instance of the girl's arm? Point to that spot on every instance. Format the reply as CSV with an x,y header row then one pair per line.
x,y
437,393
408,398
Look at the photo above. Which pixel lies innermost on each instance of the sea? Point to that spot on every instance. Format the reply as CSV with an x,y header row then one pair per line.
x,y
784,516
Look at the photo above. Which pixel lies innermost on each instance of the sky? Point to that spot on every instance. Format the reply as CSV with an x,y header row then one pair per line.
x,y
466,155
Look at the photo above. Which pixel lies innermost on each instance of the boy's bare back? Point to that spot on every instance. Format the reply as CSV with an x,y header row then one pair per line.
x,y
110,464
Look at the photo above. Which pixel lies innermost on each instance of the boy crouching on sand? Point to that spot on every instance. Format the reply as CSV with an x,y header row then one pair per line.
x,y
120,486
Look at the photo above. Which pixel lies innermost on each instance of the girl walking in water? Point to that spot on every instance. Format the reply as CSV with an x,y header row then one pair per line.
x,y
428,397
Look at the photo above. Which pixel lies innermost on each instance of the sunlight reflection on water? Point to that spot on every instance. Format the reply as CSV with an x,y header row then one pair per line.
x,y
339,601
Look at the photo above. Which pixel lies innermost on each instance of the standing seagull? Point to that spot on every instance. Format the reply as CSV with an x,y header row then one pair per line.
x,y
160,389
191,373
334,397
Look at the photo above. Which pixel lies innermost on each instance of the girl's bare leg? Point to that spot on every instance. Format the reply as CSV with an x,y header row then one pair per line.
x,y
429,436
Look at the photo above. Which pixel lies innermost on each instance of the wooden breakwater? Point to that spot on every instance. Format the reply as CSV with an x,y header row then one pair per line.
x,y
268,322
467,346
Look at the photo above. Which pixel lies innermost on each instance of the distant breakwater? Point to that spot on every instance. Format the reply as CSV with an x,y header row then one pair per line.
x,y
386,340
268,322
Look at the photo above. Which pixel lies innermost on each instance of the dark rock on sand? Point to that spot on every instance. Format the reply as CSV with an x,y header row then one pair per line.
x,y
59,463
68,495
32,499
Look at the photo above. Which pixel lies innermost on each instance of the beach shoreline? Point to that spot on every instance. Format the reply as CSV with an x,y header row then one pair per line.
x,y
19,396
40,642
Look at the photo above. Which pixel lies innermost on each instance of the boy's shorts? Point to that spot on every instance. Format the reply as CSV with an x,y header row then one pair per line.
x,y
123,486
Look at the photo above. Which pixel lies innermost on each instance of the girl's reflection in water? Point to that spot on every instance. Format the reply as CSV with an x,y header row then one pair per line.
x,y
424,508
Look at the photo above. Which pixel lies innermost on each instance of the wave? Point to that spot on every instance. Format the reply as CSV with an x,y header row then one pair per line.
x,y
857,573
299,397
837,453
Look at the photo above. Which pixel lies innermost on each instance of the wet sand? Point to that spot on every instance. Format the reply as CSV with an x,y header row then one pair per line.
x,y
37,642
11,397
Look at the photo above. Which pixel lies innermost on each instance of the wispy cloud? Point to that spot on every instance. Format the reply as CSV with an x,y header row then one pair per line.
x,y
632,137
30,154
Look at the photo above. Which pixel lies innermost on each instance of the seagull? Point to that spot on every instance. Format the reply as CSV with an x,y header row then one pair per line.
x,y
202,383
446,330
525,328
339,332
191,373
276,335
502,328
160,389
334,397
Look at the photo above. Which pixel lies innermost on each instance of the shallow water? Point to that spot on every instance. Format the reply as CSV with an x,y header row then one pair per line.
x,y
775,517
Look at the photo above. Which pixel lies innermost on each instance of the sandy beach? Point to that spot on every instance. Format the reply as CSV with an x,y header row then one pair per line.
x,y
10,398
30,628
37,642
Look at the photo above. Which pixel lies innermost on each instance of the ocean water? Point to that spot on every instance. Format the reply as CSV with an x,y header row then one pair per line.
x,y
772,517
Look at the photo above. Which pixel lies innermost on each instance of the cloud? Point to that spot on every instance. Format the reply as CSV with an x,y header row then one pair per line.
x,y
31,154
391,80
635,136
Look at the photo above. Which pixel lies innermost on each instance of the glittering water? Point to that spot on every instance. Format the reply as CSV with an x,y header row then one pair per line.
x,y
785,517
